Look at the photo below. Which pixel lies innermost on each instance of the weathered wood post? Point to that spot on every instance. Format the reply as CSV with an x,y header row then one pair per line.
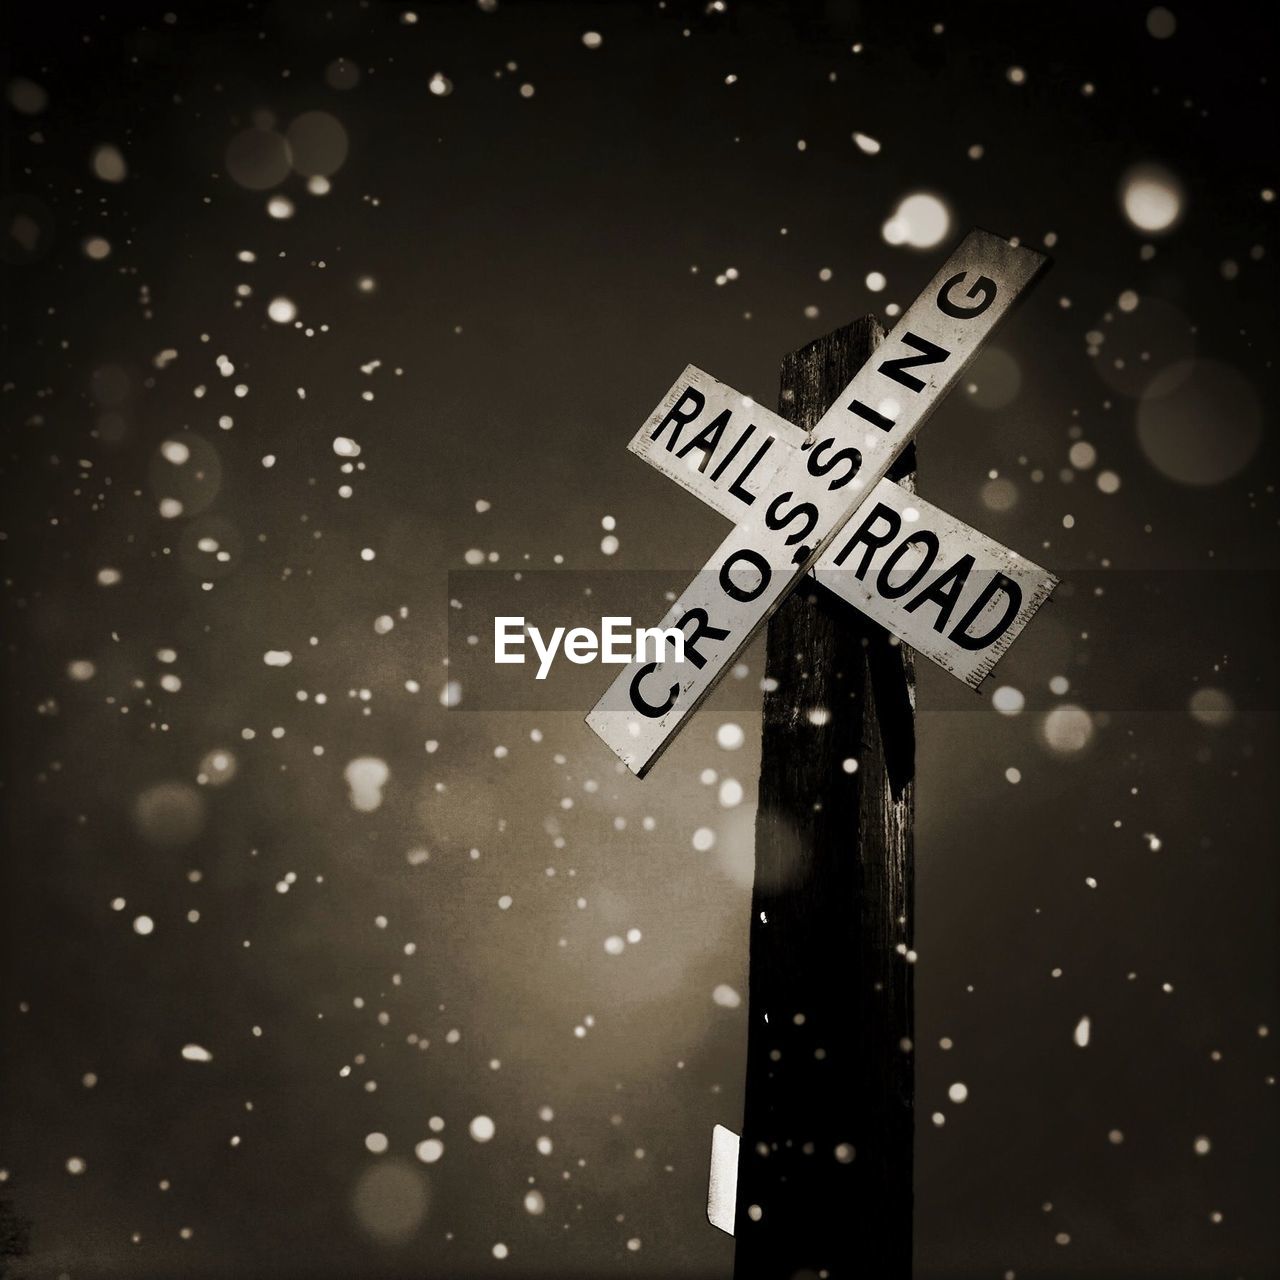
x,y
822,1185
825,1162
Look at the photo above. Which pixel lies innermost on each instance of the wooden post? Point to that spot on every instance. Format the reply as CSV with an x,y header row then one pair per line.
x,y
825,1162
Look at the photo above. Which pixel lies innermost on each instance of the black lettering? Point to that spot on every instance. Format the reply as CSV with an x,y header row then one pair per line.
x,y
703,628
723,464
806,511
819,468
984,285
758,562
680,416
872,541
887,588
638,701
929,354
876,419
1013,602
708,439
944,591
736,487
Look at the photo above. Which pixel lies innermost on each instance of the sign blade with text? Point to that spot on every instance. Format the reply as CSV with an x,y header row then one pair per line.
x,y
804,502
919,572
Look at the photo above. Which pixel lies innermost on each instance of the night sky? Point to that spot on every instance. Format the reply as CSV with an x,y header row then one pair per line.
x,y
307,305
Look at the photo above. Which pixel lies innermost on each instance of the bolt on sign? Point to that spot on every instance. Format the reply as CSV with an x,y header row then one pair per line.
x,y
819,502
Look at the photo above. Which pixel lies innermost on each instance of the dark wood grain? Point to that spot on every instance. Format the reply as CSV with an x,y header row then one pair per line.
x,y
825,1165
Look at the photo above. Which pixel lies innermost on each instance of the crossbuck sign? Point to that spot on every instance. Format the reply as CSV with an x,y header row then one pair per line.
x,y
819,501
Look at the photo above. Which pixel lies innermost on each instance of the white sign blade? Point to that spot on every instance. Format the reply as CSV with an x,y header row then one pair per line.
x,y
950,592
918,593
725,466
807,499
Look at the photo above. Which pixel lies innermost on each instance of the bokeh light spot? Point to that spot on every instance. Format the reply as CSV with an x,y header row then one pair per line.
x,y
390,1201
995,379
217,767
108,163
1067,729
1008,701
1205,433
920,221
26,96
317,144
257,159
342,73
169,813
366,776
1082,455
282,310
999,495
726,996
1152,197
1129,349
1212,707
188,472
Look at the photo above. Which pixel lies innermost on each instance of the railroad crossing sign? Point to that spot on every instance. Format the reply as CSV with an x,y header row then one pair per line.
x,y
818,501
890,555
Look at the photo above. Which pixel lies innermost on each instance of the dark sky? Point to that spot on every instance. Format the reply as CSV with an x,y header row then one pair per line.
x,y
267,924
